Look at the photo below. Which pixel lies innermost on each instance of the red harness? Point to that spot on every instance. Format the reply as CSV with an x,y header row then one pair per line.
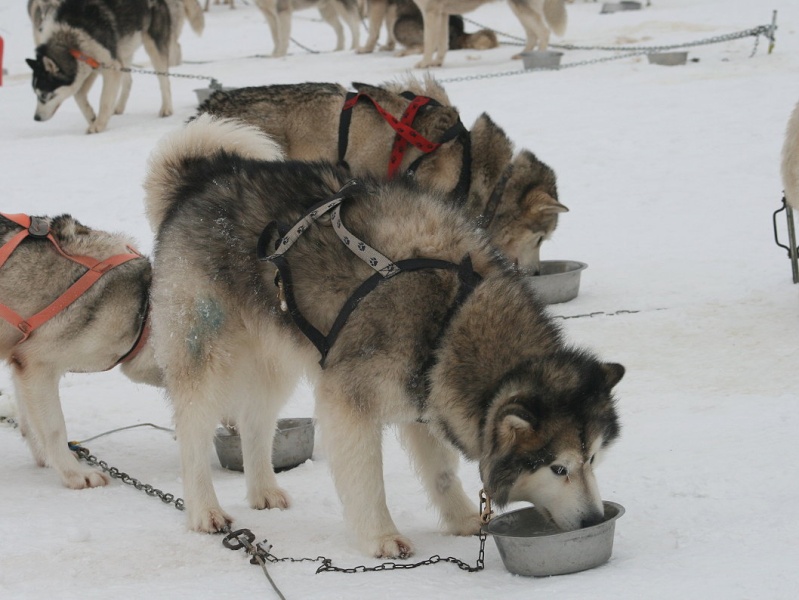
x,y
38,228
405,133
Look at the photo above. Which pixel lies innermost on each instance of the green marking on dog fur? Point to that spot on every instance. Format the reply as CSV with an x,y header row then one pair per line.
x,y
209,320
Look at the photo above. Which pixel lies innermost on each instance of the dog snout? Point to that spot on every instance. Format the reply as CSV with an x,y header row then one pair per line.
x,y
37,117
591,520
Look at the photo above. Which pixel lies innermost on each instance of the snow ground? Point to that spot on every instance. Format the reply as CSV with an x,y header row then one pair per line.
x,y
671,175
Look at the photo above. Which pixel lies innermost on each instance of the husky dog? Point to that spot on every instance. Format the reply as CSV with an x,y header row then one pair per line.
x,y
514,198
87,38
536,16
278,15
89,335
404,24
790,160
453,348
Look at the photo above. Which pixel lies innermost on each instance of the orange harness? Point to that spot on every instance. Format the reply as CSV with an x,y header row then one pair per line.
x,y
38,228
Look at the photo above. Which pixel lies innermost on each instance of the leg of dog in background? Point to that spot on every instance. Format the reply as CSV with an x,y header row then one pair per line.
x,y
790,160
436,33
379,12
179,11
278,16
334,11
537,17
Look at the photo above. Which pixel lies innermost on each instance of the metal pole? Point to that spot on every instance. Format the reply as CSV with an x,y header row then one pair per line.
x,y
771,35
792,243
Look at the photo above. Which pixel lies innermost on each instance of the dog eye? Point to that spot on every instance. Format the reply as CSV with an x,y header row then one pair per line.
x,y
592,460
559,470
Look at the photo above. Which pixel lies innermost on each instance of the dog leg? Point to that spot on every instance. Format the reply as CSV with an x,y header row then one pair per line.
x,y
124,93
256,424
535,28
435,21
437,466
348,12
283,29
330,15
354,446
194,427
37,394
161,64
377,13
108,99
82,97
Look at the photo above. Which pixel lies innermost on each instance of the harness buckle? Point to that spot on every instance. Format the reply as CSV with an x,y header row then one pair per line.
x,y
39,228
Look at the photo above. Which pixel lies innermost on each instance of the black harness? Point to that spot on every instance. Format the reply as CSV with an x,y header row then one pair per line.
x,y
405,134
384,268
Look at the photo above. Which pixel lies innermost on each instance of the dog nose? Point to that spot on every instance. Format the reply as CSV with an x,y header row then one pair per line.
x,y
37,118
592,520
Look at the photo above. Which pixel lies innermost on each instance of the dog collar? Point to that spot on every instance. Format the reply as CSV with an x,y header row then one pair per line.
x,y
78,55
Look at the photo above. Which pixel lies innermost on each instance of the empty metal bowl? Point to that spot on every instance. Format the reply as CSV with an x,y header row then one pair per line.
x,y
293,445
204,93
541,59
529,545
558,281
612,7
668,59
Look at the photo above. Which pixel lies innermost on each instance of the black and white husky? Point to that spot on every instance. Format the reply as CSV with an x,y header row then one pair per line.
x,y
86,38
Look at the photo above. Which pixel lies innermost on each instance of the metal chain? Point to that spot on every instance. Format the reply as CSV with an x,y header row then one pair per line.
x,y
629,51
600,313
260,552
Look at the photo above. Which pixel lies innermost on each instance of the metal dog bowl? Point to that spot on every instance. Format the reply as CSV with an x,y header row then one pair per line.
x,y
541,59
669,59
204,93
558,281
612,7
529,545
293,445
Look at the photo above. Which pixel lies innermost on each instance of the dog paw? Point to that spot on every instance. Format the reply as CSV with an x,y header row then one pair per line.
x,y
428,64
393,546
467,525
211,520
84,478
96,127
166,111
364,50
271,498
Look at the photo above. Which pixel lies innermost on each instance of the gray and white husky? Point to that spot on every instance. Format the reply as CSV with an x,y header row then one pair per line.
x,y
449,345
278,15
84,39
513,196
537,17
91,334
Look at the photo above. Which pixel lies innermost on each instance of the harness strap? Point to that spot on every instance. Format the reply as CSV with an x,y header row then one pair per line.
x,y
38,228
78,55
490,210
468,278
403,128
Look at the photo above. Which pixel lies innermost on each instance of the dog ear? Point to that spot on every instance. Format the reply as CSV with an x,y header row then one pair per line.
x,y
33,64
544,203
516,426
50,65
613,374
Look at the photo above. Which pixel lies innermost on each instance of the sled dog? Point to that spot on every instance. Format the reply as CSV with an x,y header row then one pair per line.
x,y
537,17
450,344
514,198
404,24
790,160
91,38
90,334
278,15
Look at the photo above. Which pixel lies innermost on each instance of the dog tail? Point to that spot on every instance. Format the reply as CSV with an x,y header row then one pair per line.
x,y
195,15
790,160
555,14
201,138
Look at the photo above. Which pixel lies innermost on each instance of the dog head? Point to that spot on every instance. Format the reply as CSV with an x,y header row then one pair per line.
x,y
547,428
55,78
527,213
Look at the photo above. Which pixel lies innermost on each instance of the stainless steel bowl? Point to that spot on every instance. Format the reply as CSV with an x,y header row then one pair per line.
x,y
204,93
293,445
559,280
668,59
529,545
541,59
